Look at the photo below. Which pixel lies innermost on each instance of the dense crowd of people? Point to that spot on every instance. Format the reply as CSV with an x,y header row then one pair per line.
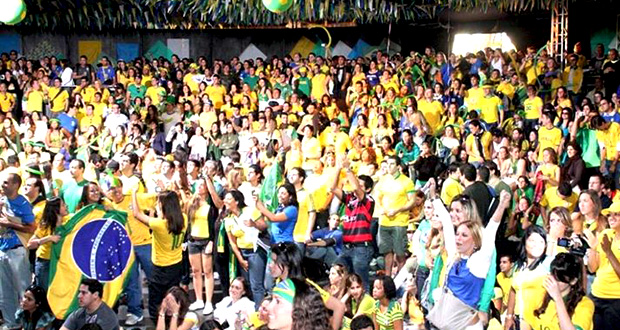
x,y
430,191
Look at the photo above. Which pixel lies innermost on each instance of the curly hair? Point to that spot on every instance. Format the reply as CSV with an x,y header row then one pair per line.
x,y
309,311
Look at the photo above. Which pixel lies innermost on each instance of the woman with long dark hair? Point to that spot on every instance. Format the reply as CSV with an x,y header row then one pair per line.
x,y
91,194
532,263
285,216
201,247
565,305
53,214
168,234
357,301
174,311
35,313
285,263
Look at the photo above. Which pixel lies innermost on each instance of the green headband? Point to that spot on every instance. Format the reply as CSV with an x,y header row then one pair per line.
x,y
33,171
285,290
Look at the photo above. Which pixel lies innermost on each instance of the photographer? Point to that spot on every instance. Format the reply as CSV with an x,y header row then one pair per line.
x,y
604,260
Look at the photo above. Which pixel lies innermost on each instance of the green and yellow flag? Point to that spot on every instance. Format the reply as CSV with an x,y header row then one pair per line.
x,y
273,180
94,244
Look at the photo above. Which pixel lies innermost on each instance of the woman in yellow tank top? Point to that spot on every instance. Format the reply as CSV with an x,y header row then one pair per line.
x,y
200,247
168,235
53,140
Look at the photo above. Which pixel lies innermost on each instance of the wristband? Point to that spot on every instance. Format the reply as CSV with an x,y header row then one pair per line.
x,y
162,315
175,315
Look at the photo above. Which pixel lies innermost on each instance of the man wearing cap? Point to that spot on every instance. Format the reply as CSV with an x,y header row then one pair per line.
x,y
191,79
303,84
491,107
16,226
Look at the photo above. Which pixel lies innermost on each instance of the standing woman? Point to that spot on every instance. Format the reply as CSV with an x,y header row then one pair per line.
x,y
388,314
168,233
603,259
200,247
241,240
282,221
470,251
53,213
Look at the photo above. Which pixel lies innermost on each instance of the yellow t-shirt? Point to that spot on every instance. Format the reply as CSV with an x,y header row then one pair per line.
x,y
44,251
393,192
490,108
451,188
474,95
200,223
306,205
167,248
550,170
432,112
58,99
548,138
609,138
606,284
236,227
504,283
6,100
551,199
206,120
532,107
188,80
318,86
311,151
581,319
35,102
365,307
139,233
216,95
87,121
153,93
475,155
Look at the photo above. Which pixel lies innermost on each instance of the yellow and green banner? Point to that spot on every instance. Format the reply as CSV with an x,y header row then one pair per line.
x,y
95,244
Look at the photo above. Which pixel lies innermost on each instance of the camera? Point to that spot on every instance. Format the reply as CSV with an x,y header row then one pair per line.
x,y
577,245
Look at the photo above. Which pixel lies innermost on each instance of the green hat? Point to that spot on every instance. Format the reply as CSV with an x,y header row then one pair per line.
x,y
285,290
54,119
33,170
38,144
487,85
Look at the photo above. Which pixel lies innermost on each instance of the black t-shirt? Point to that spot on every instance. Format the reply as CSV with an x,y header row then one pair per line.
x,y
81,70
480,193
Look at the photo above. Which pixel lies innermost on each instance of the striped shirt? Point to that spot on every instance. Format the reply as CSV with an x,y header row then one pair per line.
x,y
356,226
386,319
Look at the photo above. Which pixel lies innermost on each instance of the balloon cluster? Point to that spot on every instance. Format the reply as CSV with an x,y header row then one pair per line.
x,y
277,6
12,11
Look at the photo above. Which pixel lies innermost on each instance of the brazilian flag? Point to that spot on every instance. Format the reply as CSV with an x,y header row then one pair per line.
x,y
94,244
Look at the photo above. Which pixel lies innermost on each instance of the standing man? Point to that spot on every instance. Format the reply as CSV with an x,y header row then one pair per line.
x,y
71,191
131,181
16,224
356,227
395,196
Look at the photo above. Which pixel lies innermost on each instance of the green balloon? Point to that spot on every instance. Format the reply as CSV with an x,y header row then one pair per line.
x,y
11,10
19,18
277,6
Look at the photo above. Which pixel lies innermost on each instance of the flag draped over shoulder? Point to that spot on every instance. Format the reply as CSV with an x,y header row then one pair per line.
x,y
273,180
94,244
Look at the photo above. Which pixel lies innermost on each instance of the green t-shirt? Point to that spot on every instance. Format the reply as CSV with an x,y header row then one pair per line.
x,y
251,80
136,91
71,193
589,144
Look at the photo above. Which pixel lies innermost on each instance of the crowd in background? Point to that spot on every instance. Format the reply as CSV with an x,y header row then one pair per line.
x,y
428,191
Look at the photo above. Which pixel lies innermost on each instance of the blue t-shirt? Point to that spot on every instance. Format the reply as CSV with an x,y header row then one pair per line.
x,y
326,233
67,122
283,231
18,208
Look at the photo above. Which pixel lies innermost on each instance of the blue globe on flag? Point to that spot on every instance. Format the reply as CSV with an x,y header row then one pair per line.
x,y
101,249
